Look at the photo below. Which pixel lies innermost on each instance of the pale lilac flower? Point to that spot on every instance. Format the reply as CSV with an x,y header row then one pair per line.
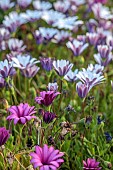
x,y
61,36
6,4
30,71
21,113
16,45
24,61
104,55
91,164
31,15
46,16
97,68
71,76
4,135
101,12
76,46
53,87
47,63
93,38
44,34
46,158
62,67
91,77
42,5
24,3
68,23
13,21
82,89
6,69
62,6
104,50
4,34
46,98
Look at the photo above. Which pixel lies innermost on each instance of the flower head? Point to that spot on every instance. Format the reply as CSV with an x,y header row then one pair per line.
x,y
4,135
46,158
104,55
62,67
68,23
46,98
52,86
77,47
55,16
61,36
24,61
41,5
13,21
16,45
48,117
6,69
82,89
62,6
31,15
71,76
6,4
21,113
44,34
23,3
47,63
91,164
92,76
30,71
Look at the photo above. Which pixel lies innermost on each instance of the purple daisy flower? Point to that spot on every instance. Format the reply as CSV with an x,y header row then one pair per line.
x,y
91,164
46,98
47,63
21,113
46,158
48,117
4,135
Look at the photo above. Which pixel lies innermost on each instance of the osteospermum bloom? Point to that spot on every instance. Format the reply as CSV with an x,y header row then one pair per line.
x,y
52,86
21,113
48,116
15,44
47,158
23,61
47,63
46,98
23,3
76,46
6,4
91,164
82,89
6,69
71,76
4,135
62,67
